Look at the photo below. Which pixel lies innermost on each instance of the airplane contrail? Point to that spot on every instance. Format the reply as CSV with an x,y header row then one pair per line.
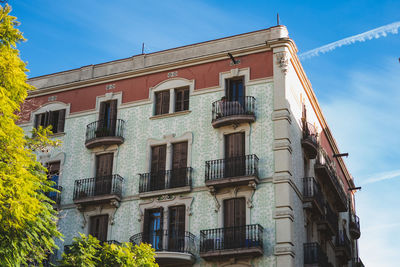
x,y
362,37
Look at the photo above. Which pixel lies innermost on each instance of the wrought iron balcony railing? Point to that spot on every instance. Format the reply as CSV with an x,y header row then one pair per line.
x,y
313,254
354,226
98,186
223,108
163,240
312,191
231,167
343,241
162,180
324,161
246,236
105,128
309,132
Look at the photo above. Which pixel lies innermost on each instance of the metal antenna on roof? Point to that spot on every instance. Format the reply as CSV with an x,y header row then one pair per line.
x,y
142,48
277,18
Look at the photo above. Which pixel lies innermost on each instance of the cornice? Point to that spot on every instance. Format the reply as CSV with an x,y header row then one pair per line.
x,y
150,70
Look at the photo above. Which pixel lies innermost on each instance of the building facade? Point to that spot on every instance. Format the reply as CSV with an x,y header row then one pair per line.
x,y
217,154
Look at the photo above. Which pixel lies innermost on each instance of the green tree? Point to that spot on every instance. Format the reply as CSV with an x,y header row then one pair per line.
x,y
87,251
27,219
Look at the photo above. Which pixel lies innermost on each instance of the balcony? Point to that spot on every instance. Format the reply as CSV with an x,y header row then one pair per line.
x,y
171,250
325,169
343,247
232,171
55,196
233,112
98,190
354,226
165,182
103,132
309,141
315,256
328,222
356,262
312,196
241,241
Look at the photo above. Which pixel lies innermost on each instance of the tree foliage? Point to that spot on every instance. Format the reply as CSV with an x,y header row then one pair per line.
x,y
87,251
27,219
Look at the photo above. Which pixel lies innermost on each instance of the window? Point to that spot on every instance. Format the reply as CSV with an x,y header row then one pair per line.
x,y
107,119
53,173
54,118
234,222
154,232
162,103
181,99
235,161
98,227
153,228
234,89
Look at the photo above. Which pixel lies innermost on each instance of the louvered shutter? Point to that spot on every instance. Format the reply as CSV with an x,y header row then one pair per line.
x,y
102,112
113,116
165,102
61,121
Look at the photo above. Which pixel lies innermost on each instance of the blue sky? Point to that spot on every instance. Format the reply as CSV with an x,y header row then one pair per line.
x,y
357,85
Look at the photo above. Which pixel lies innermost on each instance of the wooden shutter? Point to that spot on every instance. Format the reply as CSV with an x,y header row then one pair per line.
x,y
176,228
229,211
102,113
61,121
104,164
234,145
158,158
234,212
37,120
113,116
228,89
179,155
186,99
99,227
165,102
178,100
162,103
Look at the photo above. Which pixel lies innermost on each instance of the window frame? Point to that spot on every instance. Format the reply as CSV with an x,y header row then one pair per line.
x,y
184,102
55,118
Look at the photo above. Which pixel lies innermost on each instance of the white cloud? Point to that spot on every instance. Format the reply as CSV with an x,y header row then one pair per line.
x,y
382,176
362,37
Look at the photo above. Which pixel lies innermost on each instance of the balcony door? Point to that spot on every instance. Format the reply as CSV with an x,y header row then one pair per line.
x,y
153,228
98,227
176,228
158,161
179,164
235,163
235,94
234,223
107,119
103,180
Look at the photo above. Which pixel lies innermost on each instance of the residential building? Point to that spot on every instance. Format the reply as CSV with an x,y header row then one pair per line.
x,y
216,153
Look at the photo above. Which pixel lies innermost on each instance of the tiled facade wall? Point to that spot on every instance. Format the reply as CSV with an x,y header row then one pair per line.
x,y
131,160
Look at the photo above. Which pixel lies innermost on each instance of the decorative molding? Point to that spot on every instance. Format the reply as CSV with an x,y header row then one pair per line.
x,y
282,59
213,193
